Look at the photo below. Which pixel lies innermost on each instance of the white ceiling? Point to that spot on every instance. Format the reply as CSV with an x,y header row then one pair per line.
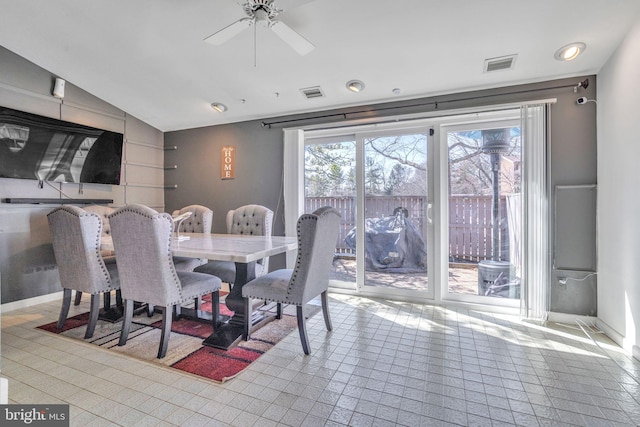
x,y
148,58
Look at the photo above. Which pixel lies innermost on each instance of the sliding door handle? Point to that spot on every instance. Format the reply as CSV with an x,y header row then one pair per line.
x,y
429,218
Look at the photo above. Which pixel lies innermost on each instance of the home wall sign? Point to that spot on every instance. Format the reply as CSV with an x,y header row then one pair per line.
x,y
228,166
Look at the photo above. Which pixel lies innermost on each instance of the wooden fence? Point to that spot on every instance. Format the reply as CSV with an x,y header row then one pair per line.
x,y
470,221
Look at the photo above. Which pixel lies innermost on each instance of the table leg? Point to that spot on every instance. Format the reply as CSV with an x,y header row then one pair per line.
x,y
229,334
112,314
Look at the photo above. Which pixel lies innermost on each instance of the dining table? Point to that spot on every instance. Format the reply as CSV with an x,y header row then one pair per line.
x,y
244,250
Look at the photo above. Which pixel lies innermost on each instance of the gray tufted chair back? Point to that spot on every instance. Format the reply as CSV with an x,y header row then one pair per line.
x,y
103,212
250,219
254,220
200,221
317,235
75,234
142,239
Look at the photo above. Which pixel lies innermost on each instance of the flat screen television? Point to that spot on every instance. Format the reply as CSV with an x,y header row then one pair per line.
x,y
46,149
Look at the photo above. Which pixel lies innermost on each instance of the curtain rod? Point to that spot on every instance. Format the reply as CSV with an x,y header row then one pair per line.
x,y
584,84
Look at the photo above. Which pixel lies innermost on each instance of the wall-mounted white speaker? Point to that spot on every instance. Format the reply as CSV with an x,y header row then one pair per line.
x,y
58,88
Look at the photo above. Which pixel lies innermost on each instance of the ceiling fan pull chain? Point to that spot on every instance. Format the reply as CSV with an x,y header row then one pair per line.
x,y
255,46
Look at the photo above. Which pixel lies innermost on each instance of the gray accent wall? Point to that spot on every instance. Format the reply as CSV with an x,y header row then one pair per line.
x,y
259,157
27,263
193,174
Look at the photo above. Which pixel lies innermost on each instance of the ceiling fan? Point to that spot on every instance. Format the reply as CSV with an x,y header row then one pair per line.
x,y
262,12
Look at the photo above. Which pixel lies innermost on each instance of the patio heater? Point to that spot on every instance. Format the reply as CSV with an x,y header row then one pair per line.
x,y
495,142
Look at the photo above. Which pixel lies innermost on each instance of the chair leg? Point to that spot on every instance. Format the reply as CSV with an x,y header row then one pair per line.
x,y
247,319
196,303
302,328
150,310
93,315
78,298
166,331
215,308
126,323
279,310
64,310
177,311
325,310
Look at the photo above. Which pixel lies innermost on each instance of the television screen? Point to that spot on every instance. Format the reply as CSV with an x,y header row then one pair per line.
x,y
46,149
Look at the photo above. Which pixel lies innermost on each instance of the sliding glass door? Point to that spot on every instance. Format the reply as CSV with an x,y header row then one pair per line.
x,y
395,212
378,182
483,187
441,208
330,180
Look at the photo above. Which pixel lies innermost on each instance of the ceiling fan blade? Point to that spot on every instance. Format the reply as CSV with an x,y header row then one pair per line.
x,y
292,38
229,32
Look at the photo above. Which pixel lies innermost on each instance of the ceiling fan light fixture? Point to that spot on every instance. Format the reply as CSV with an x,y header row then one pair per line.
x,y
570,51
355,85
220,108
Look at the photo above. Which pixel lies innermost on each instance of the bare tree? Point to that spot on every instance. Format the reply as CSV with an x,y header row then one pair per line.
x,y
398,165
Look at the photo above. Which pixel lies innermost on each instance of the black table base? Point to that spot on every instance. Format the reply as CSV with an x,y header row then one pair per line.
x,y
229,334
111,314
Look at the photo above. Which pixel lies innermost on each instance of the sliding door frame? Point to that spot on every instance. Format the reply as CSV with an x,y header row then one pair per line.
x,y
293,187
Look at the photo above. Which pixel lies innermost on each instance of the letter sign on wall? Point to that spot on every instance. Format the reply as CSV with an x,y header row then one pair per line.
x,y
228,166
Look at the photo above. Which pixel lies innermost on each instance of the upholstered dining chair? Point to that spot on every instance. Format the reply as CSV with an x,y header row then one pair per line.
x,y
75,235
249,219
107,255
317,235
142,239
200,221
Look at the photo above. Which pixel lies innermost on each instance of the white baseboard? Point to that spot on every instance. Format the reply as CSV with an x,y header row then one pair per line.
x,y
16,305
570,319
632,349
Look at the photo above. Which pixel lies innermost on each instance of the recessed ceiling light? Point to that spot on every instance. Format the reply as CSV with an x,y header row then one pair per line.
x,y
570,51
355,86
220,108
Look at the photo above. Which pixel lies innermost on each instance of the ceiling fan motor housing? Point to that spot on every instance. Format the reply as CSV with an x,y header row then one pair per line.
x,y
261,9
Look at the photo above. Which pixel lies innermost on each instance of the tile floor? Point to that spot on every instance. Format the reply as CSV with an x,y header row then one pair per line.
x,y
386,363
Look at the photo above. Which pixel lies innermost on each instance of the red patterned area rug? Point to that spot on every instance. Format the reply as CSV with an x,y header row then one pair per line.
x,y
186,351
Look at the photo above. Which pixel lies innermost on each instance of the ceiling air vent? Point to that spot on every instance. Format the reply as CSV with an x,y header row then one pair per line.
x,y
501,63
312,92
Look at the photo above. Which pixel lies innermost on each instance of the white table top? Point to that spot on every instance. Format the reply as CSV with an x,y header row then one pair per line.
x,y
226,247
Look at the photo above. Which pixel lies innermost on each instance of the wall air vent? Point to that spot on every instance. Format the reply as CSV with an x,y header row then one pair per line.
x,y
500,63
312,92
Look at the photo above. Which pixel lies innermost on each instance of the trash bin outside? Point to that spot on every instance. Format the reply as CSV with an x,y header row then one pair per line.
x,y
489,271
